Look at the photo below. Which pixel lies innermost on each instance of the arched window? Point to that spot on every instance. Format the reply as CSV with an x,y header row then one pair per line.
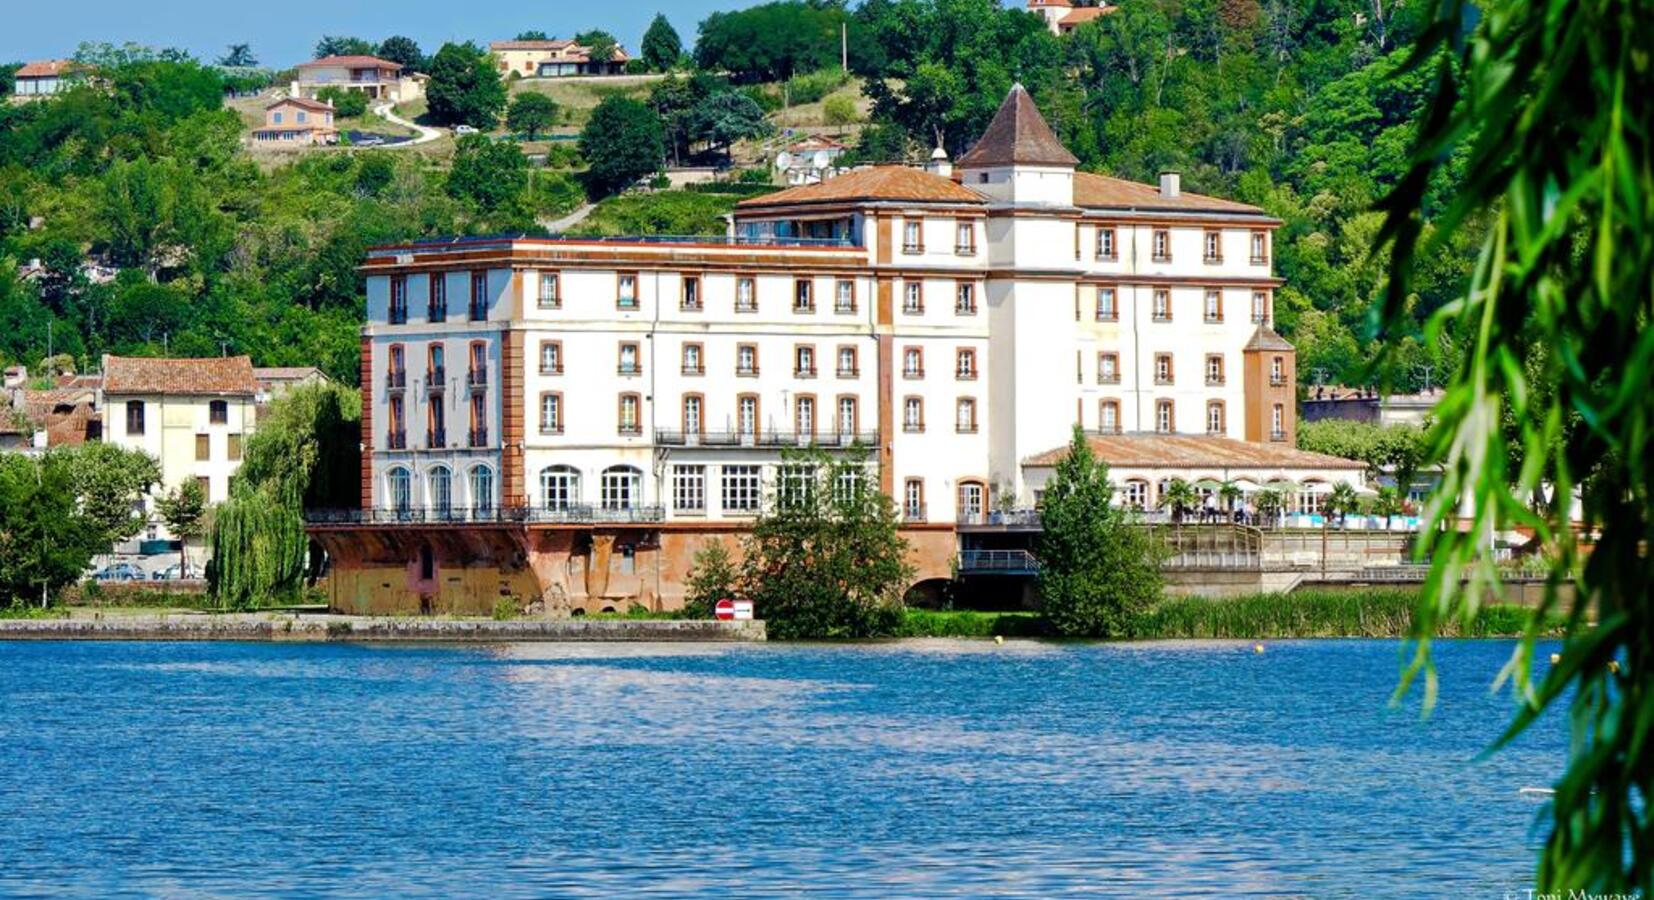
x,y
622,487
559,487
1136,494
482,490
399,488
441,484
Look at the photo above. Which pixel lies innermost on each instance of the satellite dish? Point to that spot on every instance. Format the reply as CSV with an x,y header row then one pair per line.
x,y
784,160
820,160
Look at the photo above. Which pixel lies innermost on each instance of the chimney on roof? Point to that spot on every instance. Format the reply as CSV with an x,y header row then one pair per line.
x,y
16,376
939,163
1171,184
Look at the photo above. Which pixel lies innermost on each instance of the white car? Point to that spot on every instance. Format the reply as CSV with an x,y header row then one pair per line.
x,y
464,129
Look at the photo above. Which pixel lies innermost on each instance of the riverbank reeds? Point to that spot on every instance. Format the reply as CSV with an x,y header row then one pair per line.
x,y
1312,613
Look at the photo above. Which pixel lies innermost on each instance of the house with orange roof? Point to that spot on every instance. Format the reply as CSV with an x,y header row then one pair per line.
x,y
380,79
42,78
552,59
297,121
1063,16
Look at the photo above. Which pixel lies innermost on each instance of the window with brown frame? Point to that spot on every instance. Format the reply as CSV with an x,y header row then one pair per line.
x,y
913,236
913,297
1165,419
1260,248
551,357
803,296
1162,305
964,364
551,296
844,296
436,300
690,298
849,416
804,361
847,363
913,362
203,447
1214,305
1162,245
746,360
399,300
630,363
1108,416
965,303
804,415
1163,368
1108,368
1108,304
626,290
913,414
694,359
1214,247
1214,417
551,412
479,296
913,500
630,414
694,414
965,416
1105,244
1214,369
964,241
134,417
746,294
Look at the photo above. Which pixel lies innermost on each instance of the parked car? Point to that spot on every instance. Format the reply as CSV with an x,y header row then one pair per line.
x,y
120,572
175,573
372,140
464,129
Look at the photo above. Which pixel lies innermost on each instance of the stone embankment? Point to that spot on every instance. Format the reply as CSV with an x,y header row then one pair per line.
x,y
259,627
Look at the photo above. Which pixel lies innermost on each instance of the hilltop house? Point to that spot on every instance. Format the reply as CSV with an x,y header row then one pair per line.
x,y
1063,16
297,121
380,79
552,59
45,77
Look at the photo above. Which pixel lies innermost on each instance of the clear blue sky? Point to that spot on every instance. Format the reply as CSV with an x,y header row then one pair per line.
x,y
283,33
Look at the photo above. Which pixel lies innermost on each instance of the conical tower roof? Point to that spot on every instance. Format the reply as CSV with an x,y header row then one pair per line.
x,y
1018,135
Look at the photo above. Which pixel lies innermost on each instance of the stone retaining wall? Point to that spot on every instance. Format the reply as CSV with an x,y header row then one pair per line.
x,y
256,627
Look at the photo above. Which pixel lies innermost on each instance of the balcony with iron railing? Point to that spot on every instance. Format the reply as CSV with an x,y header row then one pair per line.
x,y
1007,519
477,437
477,379
570,514
767,438
1001,562
913,513
396,380
396,440
436,378
437,439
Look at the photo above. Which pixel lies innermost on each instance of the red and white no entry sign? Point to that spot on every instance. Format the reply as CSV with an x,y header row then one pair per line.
x,y
724,609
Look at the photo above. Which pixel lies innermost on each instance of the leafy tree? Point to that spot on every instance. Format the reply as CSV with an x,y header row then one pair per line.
x,y
465,87
8,75
46,541
108,482
600,45
674,100
623,141
661,45
1098,570
659,212
1386,449
771,41
1342,501
238,56
533,35
712,577
403,51
532,113
184,510
839,111
724,118
491,174
347,104
825,558
1388,503
340,45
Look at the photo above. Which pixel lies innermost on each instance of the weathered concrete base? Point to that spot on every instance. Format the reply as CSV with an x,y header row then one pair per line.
x,y
256,627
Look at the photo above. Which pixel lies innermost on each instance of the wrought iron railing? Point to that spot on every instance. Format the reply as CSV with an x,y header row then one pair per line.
x,y
766,438
489,515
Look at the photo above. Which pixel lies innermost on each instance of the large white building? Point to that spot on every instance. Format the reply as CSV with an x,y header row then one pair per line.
x,y
629,398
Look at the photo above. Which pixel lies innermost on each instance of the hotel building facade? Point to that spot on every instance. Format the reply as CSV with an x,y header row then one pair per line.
x,y
568,420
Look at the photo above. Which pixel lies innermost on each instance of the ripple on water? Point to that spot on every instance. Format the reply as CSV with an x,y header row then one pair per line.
x,y
911,768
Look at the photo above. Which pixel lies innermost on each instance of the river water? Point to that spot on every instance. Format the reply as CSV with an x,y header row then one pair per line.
x,y
916,768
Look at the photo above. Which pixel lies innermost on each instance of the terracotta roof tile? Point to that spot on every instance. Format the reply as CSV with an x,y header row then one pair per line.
x,y
45,68
1081,15
304,102
358,62
1176,451
1265,338
1018,134
209,376
1106,192
530,45
895,183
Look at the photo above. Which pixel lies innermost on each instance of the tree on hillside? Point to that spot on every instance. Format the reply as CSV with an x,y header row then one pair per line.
x,y
8,76
600,45
491,174
341,45
531,113
1098,569
347,104
724,118
623,141
661,45
674,100
403,51
184,510
772,41
825,558
838,111
238,56
533,35
465,87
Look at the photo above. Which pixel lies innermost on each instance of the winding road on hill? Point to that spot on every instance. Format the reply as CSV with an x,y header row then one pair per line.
x,y
426,135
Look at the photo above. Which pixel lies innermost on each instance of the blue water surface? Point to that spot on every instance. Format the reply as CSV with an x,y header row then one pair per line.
x,y
918,768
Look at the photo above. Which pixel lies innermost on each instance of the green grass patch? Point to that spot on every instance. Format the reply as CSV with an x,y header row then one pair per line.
x,y
33,612
1311,614
661,212
968,623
